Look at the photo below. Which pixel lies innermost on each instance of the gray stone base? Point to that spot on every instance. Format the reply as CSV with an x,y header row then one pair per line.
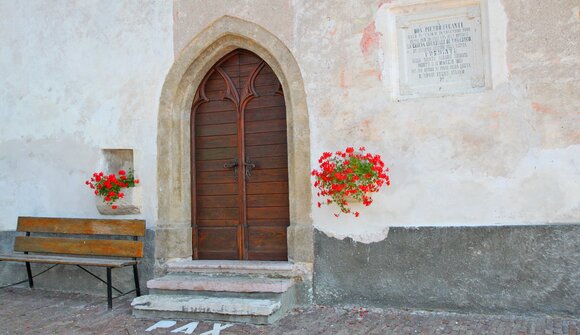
x,y
491,269
69,278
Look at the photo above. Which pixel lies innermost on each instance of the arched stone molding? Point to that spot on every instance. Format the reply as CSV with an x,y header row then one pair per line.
x,y
173,229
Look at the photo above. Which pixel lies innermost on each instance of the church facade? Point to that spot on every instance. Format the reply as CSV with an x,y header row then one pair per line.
x,y
223,111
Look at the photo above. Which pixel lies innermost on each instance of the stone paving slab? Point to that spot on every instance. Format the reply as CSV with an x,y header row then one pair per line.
x,y
25,311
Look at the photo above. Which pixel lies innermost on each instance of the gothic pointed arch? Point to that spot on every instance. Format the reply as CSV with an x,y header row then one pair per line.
x,y
173,226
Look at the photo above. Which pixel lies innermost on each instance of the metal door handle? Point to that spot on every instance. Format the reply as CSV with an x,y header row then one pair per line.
x,y
249,167
233,164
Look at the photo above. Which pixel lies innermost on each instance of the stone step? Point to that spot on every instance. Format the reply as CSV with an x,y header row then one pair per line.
x,y
261,268
259,311
236,284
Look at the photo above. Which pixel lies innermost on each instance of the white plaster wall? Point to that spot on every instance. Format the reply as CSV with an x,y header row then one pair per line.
x,y
509,155
77,77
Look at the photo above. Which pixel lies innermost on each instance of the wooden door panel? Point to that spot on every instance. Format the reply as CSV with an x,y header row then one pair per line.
x,y
263,175
216,118
213,189
238,215
215,106
217,201
213,154
268,138
219,223
267,200
211,165
267,188
265,126
267,150
267,238
269,222
274,162
212,238
272,113
266,102
268,213
215,177
218,213
208,142
216,129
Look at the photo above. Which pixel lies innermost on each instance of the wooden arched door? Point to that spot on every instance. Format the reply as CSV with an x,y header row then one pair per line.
x,y
239,162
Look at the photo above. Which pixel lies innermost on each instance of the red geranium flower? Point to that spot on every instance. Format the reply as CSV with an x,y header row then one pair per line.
x,y
109,187
351,174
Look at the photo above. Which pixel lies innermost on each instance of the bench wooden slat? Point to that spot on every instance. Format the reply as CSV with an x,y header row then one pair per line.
x,y
74,246
81,226
50,259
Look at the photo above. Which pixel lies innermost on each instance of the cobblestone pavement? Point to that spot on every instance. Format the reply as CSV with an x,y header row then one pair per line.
x,y
25,311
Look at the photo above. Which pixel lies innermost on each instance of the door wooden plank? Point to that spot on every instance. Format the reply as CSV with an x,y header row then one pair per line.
x,y
266,101
219,223
227,141
218,213
267,188
263,175
215,165
203,119
215,106
267,138
266,150
214,154
269,222
265,126
275,162
268,213
216,129
272,113
266,79
217,239
267,200
216,189
205,201
215,177
267,238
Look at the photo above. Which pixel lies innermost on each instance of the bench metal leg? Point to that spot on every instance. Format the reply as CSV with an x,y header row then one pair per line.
x,y
136,275
29,273
109,289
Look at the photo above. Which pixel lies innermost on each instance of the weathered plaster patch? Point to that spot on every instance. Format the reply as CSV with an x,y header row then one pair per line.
x,y
370,40
357,231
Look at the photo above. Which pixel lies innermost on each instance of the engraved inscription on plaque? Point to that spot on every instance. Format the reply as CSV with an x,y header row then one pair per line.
x,y
440,53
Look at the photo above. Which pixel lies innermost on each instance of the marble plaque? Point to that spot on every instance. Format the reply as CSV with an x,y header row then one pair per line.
x,y
440,53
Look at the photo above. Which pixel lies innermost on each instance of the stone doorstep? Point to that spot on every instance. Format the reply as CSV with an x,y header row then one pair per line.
x,y
269,268
228,306
220,284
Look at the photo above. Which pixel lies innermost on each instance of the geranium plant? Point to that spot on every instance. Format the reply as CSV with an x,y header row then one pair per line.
x,y
110,186
349,176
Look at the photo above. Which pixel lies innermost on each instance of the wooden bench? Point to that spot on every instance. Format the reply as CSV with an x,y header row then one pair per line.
x,y
117,246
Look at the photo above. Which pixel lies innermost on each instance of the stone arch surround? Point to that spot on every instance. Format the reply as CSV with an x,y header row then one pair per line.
x,y
173,227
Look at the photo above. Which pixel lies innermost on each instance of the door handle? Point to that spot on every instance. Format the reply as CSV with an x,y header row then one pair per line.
x,y
249,167
233,164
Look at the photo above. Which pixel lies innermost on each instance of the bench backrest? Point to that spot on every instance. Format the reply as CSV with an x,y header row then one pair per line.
x,y
75,245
